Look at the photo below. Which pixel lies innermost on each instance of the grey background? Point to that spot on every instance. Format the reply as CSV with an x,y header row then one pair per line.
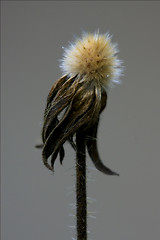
x,y
36,204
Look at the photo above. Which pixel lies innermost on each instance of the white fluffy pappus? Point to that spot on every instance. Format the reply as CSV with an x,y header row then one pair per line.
x,y
93,57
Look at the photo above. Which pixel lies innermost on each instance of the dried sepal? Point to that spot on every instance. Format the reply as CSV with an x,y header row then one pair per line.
x,y
91,142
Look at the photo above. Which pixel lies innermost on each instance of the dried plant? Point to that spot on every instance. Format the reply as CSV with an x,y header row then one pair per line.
x,y
74,105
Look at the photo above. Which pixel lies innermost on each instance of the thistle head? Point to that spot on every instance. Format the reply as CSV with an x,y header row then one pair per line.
x,y
94,57
76,100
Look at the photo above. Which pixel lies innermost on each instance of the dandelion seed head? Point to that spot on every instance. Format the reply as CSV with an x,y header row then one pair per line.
x,y
94,57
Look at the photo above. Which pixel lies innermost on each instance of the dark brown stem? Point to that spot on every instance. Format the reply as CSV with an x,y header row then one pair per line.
x,y
81,187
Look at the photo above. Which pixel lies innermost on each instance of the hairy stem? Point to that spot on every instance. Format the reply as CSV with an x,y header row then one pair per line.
x,y
81,187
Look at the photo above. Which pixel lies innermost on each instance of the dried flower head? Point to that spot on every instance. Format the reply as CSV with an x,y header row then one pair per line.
x,y
77,99
94,58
